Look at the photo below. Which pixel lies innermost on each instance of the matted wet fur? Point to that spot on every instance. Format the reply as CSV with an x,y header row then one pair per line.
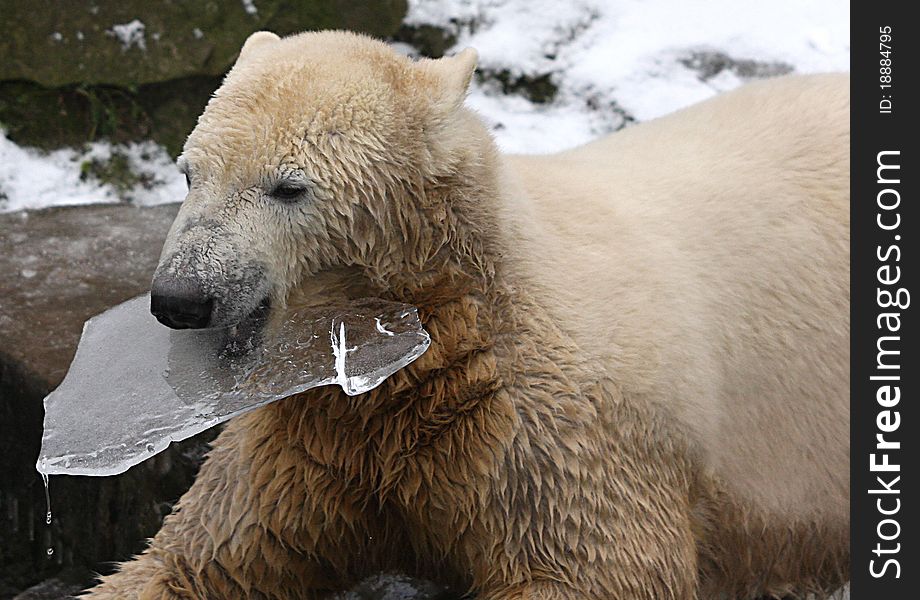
x,y
637,383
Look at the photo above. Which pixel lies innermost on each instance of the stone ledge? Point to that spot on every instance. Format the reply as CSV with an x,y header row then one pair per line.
x,y
60,266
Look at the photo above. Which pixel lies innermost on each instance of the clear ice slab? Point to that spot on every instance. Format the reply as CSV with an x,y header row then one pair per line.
x,y
134,385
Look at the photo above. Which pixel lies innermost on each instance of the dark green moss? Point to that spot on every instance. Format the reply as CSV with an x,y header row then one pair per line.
x,y
429,40
539,89
380,18
67,43
172,108
65,79
116,172
72,115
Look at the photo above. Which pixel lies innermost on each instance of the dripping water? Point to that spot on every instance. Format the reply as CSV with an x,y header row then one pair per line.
x,y
50,550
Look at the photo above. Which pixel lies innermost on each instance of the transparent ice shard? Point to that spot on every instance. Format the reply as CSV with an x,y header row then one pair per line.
x,y
135,386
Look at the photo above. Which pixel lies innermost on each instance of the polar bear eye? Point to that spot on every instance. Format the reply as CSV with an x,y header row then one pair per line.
x,y
288,191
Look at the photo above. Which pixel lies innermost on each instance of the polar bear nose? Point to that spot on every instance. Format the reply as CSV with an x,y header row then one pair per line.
x,y
180,304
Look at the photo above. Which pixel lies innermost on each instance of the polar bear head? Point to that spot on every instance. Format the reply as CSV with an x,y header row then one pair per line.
x,y
320,151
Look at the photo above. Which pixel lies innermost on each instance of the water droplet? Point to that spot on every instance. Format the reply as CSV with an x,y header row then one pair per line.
x,y
47,499
50,550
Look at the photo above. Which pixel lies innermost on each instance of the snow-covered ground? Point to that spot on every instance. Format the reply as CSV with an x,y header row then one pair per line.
x,y
31,179
613,62
633,53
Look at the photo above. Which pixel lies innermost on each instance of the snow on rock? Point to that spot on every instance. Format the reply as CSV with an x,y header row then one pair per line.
x,y
628,58
609,63
129,34
32,179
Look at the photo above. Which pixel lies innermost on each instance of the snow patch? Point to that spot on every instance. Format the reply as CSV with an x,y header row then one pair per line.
x,y
32,179
129,34
627,58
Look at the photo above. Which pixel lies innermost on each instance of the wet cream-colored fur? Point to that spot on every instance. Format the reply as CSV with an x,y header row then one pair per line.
x,y
638,381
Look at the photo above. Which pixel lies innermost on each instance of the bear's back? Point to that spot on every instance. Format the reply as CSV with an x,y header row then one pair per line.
x,y
704,259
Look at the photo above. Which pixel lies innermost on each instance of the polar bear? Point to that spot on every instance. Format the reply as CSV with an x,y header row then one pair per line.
x,y
637,386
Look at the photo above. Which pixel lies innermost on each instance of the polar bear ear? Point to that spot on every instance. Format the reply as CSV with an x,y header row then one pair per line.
x,y
257,39
453,74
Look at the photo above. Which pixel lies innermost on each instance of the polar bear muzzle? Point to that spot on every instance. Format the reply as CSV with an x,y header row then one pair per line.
x,y
204,280
180,303
186,301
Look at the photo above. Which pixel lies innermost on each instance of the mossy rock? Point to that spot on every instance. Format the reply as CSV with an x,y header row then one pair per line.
x,y
50,118
430,41
66,79
128,43
116,172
